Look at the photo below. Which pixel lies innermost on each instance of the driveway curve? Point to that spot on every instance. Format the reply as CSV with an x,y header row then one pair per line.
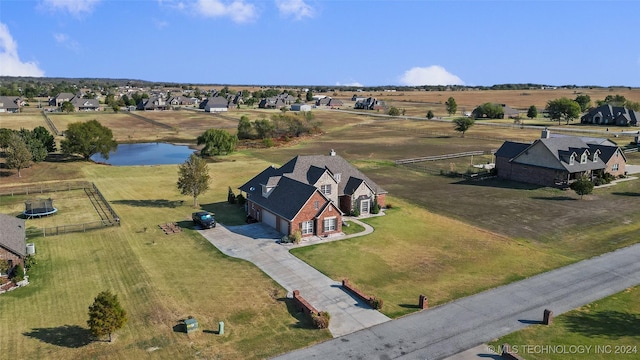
x,y
257,243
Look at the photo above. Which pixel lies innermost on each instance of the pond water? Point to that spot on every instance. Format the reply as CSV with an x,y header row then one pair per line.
x,y
146,154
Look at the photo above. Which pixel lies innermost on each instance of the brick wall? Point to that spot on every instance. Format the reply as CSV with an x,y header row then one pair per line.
x,y
309,213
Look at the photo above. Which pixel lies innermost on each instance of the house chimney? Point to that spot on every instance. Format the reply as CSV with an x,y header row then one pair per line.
x,y
332,153
545,133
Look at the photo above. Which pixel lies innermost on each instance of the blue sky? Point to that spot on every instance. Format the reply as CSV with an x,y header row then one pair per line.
x,y
328,42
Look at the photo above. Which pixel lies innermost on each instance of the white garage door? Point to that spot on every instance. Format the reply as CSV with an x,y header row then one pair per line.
x,y
269,218
284,226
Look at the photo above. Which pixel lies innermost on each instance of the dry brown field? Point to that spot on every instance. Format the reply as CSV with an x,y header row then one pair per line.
x,y
24,120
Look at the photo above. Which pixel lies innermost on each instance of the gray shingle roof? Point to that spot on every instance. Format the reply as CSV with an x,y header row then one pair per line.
x,y
294,192
12,234
561,149
511,149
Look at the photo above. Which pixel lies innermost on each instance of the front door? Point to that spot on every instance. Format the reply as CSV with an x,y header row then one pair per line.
x,y
364,207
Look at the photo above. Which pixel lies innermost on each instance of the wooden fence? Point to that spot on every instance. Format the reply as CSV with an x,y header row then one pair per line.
x,y
444,157
53,128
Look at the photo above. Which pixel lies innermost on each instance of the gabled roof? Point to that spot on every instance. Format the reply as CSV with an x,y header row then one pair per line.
x,y
511,149
294,192
13,234
9,102
299,166
606,152
555,153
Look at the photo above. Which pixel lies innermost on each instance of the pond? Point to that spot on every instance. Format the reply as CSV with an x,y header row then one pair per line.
x,y
146,154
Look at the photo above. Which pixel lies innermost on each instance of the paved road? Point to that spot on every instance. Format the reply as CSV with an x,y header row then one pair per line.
x,y
455,327
256,243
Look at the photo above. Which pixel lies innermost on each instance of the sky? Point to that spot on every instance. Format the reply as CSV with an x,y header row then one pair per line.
x,y
325,42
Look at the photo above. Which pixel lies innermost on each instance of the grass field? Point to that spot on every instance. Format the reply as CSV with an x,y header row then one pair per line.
x,y
444,237
159,278
605,329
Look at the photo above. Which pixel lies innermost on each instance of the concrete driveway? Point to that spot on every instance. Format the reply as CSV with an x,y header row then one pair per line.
x,y
257,243
466,323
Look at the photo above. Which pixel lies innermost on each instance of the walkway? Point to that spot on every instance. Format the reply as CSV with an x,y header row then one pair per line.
x,y
465,323
257,243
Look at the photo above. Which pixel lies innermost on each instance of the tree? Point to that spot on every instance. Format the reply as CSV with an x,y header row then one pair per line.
x,y
582,186
36,148
217,142
106,315
193,177
584,101
452,107
394,111
489,110
563,108
309,96
244,128
430,115
463,124
615,100
67,107
45,137
532,112
17,155
264,128
88,138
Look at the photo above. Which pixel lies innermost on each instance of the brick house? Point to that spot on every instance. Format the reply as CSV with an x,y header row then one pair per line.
x,y
611,115
13,247
310,194
557,161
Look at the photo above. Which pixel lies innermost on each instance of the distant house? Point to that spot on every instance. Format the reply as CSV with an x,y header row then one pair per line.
x,y
611,115
369,103
557,161
215,104
507,112
329,102
310,194
81,104
300,107
277,102
358,98
181,101
10,104
61,98
13,247
152,103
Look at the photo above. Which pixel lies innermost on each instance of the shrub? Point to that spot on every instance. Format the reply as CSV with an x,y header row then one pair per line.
x,y
321,319
389,206
599,181
231,197
375,209
376,303
4,266
29,262
18,273
240,199
355,212
608,177
295,237
268,142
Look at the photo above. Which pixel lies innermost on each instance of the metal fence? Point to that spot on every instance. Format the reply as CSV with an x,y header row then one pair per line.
x,y
108,216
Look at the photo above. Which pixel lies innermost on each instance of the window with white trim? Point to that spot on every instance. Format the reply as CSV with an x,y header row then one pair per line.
x,y
307,227
316,204
595,156
329,224
583,158
325,189
614,167
571,159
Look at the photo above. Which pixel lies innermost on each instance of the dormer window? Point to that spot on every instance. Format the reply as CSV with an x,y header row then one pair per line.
x,y
583,158
266,190
325,189
595,156
572,159
338,176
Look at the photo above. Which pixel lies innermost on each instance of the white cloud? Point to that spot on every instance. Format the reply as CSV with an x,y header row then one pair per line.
x,y
74,7
11,63
296,8
431,75
160,24
67,42
354,83
237,10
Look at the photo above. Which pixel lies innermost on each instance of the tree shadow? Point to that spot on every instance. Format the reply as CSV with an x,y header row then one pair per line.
x,y
159,203
71,336
611,324
626,193
61,158
555,198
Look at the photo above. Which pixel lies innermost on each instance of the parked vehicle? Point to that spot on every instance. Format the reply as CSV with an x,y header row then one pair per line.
x,y
205,219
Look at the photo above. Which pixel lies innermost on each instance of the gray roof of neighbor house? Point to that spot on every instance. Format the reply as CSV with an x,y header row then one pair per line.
x,y
610,112
510,149
80,102
13,234
9,102
560,149
588,140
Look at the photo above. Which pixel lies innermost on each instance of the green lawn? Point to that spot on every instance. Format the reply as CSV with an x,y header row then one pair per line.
x,y
159,279
605,329
413,252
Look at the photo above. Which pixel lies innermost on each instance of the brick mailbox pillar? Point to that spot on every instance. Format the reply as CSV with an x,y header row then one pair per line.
x,y
423,302
547,318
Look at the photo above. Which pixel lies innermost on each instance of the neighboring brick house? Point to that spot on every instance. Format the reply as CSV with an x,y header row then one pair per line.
x,y
13,245
81,104
152,103
370,103
60,98
10,104
557,161
310,194
215,104
611,115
